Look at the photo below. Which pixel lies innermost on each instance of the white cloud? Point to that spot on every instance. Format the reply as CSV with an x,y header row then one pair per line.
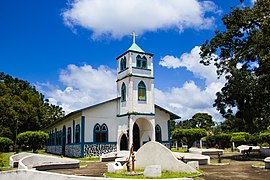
x,y
83,86
117,18
191,61
190,99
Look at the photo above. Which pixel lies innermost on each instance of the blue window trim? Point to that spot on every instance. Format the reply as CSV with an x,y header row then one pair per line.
x,y
122,70
69,135
123,64
142,85
160,135
139,62
100,131
141,68
77,140
123,94
169,133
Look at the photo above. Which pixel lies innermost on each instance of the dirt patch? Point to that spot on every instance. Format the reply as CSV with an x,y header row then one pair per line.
x,y
238,168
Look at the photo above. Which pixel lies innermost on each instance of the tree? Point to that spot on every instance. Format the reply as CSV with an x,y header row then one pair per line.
x,y
32,139
23,108
191,135
199,120
241,53
5,144
202,120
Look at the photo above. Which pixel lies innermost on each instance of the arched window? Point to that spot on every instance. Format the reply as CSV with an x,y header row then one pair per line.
x,y
60,137
77,134
123,92
100,133
123,64
141,62
158,133
141,91
69,135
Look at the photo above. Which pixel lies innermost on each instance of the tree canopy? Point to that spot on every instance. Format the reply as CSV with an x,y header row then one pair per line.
x,y
23,108
190,135
198,120
242,53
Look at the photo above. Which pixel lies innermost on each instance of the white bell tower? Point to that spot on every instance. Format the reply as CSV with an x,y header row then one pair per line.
x,y
135,81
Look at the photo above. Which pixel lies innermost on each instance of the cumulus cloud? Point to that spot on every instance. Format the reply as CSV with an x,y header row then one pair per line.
x,y
190,99
83,86
117,18
191,61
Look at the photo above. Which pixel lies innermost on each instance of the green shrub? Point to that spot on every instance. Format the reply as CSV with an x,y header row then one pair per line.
x,y
33,139
265,137
5,144
191,135
238,140
265,144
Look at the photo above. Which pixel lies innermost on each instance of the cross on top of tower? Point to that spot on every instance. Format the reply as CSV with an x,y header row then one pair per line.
x,y
133,34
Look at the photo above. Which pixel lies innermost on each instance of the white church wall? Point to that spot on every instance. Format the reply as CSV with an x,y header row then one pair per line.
x,y
162,120
104,113
143,106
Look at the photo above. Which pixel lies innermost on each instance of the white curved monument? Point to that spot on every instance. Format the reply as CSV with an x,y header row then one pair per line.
x,y
154,153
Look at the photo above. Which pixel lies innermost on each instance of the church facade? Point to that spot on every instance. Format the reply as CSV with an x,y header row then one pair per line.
x,y
131,118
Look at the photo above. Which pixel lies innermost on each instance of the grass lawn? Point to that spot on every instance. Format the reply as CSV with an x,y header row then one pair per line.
x,y
181,150
164,175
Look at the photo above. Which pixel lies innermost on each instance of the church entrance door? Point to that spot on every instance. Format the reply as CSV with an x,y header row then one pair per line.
x,y
124,143
136,136
64,141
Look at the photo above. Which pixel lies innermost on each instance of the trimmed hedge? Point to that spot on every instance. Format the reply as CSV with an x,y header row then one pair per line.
x,y
32,139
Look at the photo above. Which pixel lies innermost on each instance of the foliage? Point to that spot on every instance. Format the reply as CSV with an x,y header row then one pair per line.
x,y
191,135
5,144
33,139
4,159
241,53
265,137
23,108
221,139
240,138
199,120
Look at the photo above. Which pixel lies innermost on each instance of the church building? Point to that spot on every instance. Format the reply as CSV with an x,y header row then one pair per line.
x,y
130,118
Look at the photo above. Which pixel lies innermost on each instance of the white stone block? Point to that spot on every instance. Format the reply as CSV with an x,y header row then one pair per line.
x,y
152,171
194,164
115,167
267,163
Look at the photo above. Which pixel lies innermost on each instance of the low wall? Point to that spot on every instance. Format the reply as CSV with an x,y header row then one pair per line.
x,y
54,149
73,150
41,175
99,149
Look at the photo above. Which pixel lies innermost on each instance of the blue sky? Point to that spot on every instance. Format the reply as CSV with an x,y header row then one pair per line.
x,y
67,49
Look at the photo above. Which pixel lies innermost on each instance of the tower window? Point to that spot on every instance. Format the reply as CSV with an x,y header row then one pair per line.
x,y
141,91
158,133
123,92
101,133
123,64
141,62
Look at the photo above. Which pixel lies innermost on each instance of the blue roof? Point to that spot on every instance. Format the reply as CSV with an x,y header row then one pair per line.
x,y
135,47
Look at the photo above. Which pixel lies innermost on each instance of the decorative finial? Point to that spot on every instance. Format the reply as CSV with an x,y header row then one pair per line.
x,y
134,36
